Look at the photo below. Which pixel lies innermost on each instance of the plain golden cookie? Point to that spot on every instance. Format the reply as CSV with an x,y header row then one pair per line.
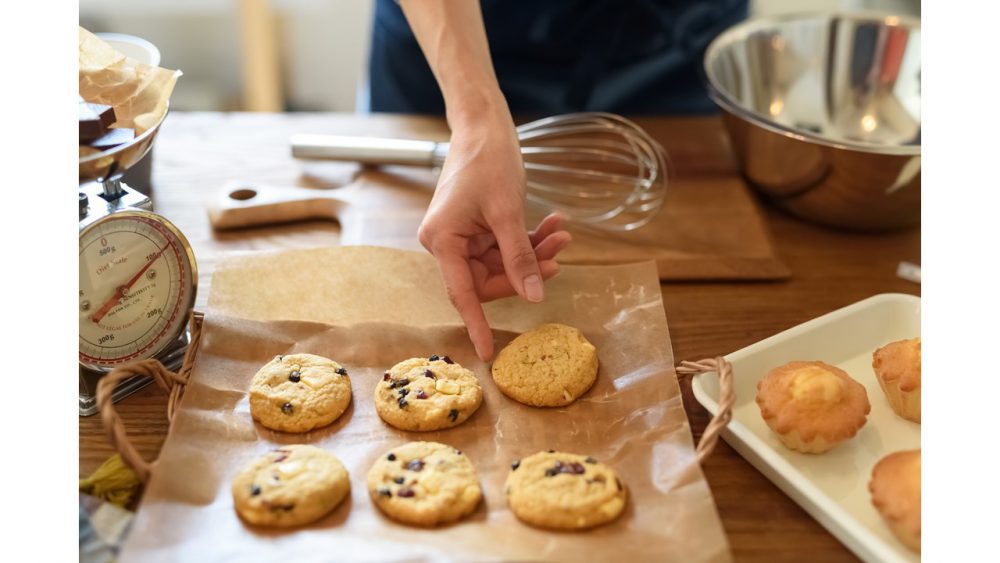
x,y
549,366
895,489
424,484
812,406
424,394
290,486
565,491
897,368
299,392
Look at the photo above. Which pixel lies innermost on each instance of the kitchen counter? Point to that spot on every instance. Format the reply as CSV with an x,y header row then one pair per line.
x,y
830,269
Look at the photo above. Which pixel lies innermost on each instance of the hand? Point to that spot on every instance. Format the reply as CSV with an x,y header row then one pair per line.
x,y
475,228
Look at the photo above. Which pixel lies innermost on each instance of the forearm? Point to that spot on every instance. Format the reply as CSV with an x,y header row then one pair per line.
x,y
453,39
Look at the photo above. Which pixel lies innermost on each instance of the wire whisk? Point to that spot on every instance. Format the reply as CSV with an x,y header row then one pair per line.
x,y
600,170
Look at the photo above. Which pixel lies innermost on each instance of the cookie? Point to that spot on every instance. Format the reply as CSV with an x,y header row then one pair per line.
x,y
290,486
299,392
424,484
895,491
812,406
549,366
564,491
427,394
897,368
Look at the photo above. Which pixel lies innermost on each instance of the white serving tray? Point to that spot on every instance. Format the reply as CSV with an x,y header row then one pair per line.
x,y
832,487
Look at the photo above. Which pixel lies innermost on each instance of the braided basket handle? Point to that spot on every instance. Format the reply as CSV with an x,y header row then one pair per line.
x,y
172,383
727,397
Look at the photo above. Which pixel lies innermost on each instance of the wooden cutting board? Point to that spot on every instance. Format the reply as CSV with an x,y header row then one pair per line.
x,y
710,227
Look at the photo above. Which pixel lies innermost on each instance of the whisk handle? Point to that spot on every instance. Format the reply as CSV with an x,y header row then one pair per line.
x,y
368,150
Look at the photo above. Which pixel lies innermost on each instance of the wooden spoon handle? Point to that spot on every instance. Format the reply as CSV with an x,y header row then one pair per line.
x,y
248,205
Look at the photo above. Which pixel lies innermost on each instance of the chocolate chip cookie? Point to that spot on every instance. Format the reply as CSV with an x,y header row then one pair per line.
x,y
299,392
290,486
548,366
424,484
564,491
424,394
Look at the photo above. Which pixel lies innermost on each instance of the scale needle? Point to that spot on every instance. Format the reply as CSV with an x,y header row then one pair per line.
x,y
120,292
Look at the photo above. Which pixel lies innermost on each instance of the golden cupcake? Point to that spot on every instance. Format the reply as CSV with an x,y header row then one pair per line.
x,y
895,489
812,406
897,368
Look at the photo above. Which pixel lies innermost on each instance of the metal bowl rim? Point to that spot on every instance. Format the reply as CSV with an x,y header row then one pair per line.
x,y
742,30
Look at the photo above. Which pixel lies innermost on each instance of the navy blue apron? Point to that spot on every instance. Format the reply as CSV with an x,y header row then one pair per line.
x,y
630,57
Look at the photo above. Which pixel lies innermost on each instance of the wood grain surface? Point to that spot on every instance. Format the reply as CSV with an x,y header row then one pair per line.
x,y
830,269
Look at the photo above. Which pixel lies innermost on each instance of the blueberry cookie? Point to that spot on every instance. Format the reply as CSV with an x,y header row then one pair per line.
x,y
549,366
424,484
299,392
564,491
290,486
427,394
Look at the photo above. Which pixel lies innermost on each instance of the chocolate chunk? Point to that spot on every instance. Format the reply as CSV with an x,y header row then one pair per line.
x,y
434,358
113,138
447,360
429,373
552,451
254,489
590,460
399,480
406,493
573,468
453,414
415,465
515,465
403,402
341,371
286,408
294,377
385,376
384,492
281,358
459,452
403,392
95,119
391,457
421,394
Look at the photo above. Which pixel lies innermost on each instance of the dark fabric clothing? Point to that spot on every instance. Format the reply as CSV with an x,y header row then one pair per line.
x,y
559,56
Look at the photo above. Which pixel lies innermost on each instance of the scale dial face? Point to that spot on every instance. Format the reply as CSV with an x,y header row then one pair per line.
x,y
137,285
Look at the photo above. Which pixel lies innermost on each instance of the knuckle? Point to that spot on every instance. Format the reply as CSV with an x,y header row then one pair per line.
x,y
523,258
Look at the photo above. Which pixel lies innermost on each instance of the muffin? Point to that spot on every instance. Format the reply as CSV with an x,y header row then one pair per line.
x,y
897,368
895,489
812,406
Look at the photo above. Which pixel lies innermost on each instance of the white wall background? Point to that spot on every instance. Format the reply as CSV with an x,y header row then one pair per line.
x,y
324,44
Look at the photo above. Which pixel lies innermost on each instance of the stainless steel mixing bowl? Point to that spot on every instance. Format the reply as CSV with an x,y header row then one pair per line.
x,y
823,112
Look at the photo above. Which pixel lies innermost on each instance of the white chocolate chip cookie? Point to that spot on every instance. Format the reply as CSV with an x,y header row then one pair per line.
x,y
290,486
564,491
299,392
423,394
424,484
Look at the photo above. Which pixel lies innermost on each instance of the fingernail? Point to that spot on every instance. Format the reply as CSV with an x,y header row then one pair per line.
x,y
533,289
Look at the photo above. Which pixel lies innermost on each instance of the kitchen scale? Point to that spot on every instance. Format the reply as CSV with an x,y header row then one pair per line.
x,y
138,275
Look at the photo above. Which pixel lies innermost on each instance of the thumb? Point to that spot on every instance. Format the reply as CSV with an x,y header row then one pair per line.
x,y
519,261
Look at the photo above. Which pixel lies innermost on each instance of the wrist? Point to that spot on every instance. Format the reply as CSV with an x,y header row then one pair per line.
x,y
477,109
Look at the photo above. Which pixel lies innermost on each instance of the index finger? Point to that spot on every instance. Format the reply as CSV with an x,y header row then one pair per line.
x,y
462,293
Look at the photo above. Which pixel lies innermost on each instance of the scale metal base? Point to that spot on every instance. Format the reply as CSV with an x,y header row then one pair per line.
x,y
172,358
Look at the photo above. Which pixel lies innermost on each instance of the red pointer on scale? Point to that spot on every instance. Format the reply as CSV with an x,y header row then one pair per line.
x,y
122,289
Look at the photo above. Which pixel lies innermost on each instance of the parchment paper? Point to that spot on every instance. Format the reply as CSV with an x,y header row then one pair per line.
x,y
137,91
369,308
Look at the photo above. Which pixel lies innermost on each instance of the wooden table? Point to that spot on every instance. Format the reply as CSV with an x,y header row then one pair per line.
x,y
829,270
